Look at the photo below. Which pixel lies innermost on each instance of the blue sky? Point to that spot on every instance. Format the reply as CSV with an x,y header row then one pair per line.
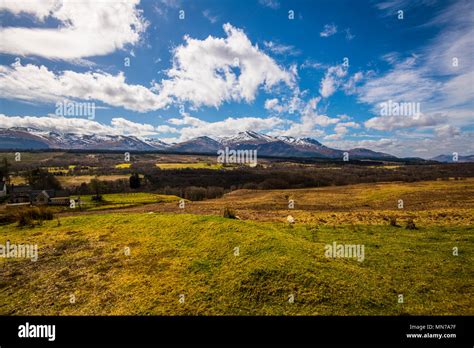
x,y
320,69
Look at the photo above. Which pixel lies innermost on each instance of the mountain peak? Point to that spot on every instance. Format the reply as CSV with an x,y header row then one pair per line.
x,y
247,137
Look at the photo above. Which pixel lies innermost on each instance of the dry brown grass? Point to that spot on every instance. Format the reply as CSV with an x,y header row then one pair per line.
x,y
429,203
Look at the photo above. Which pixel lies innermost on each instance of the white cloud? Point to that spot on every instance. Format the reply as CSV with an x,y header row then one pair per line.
x,y
405,82
277,48
389,123
390,7
332,80
273,4
308,123
350,86
38,84
39,9
229,69
273,104
163,6
329,30
88,28
439,76
125,126
213,79
308,63
341,130
290,103
447,131
187,120
165,129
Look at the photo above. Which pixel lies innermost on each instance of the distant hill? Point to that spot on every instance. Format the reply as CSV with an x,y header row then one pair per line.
x,y
449,158
282,146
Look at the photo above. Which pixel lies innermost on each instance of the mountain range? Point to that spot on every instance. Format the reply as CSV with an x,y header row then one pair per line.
x,y
21,138
32,139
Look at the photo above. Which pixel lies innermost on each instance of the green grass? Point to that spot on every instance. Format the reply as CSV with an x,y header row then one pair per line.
x,y
173,254
122,200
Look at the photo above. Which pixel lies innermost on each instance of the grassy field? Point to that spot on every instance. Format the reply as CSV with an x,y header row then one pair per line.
x,y
77,180
429,203
195,256
123,165
199,165
69,181
122,200
32,157
192,252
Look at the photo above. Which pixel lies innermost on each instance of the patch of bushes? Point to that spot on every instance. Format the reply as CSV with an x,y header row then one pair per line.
x,y
393,221
229,213
194,193
7,218
411,225
97,198
32,216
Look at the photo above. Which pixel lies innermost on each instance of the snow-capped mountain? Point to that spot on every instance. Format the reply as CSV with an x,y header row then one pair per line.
x,y
311,145
248,137
156,143
266,145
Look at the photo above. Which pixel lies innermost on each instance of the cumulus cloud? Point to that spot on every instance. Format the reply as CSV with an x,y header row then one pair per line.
x,y
230,69
273,104
38,84
88,28
341,130
205,72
